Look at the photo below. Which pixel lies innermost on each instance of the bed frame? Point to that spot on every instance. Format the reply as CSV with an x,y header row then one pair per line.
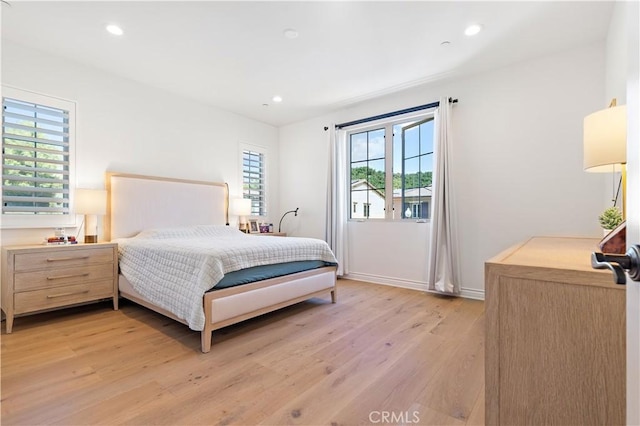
x,y
137,202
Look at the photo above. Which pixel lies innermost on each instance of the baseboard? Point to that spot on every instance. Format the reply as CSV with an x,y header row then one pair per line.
x,y
472,293
394,282
467,293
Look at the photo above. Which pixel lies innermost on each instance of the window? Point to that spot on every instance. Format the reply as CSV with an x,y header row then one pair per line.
x,y
403,162
253,180
367,150
413,168
37,160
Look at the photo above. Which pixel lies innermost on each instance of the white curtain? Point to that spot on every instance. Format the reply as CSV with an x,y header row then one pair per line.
x,y
336,225
443,268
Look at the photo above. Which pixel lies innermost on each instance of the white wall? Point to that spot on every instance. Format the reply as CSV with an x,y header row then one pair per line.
x,y
616,55
129,127
616,77
518,167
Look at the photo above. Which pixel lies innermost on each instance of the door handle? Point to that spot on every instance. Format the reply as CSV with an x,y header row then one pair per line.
x,y
618,263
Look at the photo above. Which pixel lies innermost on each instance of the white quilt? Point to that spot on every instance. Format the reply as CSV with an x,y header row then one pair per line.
x,y
173,268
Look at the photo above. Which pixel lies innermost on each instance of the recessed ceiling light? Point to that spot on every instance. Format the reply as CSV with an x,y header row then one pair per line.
x,y
290,33
473,29
114,29
277,99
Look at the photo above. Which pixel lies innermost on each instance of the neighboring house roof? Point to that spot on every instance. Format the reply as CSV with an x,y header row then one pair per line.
x,y
413,192
357,182
397,193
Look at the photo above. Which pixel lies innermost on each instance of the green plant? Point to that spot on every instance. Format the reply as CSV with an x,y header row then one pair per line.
x,y
610,218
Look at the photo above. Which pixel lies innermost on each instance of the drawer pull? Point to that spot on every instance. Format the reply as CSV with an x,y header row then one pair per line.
x,y
86,274
53,296
61,259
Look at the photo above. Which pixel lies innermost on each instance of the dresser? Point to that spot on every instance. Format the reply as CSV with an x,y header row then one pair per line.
x,y
555,337
39,278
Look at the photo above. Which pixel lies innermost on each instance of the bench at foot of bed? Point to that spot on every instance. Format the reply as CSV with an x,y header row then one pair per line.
x,y
232,305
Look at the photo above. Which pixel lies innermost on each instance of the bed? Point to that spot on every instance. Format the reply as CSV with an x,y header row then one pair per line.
x,y
173,208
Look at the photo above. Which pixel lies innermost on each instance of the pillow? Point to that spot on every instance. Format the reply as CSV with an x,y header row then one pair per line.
x,y
198,231
218,231
167,233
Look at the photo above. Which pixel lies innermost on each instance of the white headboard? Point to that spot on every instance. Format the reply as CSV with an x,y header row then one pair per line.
x,y
136,202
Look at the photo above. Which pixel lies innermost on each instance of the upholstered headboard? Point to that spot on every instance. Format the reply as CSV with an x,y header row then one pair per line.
x,y
136,202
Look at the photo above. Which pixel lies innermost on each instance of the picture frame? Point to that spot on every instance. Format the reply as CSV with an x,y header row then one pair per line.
x,y
253,227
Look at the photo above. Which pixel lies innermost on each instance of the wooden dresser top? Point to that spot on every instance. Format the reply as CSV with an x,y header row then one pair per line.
x,y
566,254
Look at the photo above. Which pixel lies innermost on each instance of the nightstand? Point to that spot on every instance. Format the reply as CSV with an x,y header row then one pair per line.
x,y
40,278
271,234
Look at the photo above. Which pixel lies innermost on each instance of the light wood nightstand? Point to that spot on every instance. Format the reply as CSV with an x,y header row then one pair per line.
x,y
272,234
40,278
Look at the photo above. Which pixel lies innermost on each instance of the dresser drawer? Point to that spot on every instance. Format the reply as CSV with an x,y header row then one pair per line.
x,y
37,300
61,276
62,258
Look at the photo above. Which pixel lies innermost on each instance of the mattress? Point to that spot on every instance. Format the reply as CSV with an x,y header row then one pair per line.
x,y
173,267
259,273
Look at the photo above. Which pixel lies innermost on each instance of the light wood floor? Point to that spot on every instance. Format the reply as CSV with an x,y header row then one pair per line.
x,y
380,349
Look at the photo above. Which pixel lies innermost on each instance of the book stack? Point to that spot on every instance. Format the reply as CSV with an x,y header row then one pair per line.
x,y
615,242
65,239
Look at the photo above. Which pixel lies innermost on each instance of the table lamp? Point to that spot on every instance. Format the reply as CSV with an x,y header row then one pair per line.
x,y
605,143
241,207
91,203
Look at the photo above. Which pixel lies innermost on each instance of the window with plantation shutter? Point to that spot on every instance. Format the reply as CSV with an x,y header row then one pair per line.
x,y
36,158
253,180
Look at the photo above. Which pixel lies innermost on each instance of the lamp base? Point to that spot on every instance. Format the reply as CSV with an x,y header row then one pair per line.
x,y
90,239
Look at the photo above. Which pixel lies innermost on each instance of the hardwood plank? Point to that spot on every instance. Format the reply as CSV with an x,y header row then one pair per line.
x,y
429,416
34,406
456,386
397,388
352,374
477,415
407,379
379,348
120,407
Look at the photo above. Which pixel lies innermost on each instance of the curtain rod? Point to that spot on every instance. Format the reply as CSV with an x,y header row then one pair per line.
x,y
392,114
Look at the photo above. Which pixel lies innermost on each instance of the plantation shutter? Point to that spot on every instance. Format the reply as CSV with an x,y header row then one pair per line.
x,y
253,177
35,159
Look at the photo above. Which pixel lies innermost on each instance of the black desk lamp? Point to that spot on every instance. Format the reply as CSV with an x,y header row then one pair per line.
x,y
295,212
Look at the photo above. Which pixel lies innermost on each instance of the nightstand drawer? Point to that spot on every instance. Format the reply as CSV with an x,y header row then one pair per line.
x,y
62,258
61,276
37,300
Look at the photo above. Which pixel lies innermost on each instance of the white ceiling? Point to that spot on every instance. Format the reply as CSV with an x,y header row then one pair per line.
x,y
234,55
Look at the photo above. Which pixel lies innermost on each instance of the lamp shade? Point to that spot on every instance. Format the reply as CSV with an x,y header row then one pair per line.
x,y
91,201
605,139
241,206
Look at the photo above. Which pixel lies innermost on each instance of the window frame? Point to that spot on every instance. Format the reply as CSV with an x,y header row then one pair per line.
x,y
265,181
387,124
10,221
